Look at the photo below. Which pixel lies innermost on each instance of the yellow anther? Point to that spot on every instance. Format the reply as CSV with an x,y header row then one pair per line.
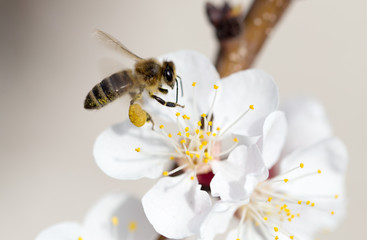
x,y
210,123
332,212
251,107
183,141
201,136
203,115
312,204
276,229
291,237
282,199
205,160
137,149
215,87
171,158
199,124
218,129
288,214
238,239
299,202
319,171
179,134
210,157
187,134
285,180
204,143
257,224
193,84
265,219
197,155
161,126
269,199
192,178
292,216
115,221
178,114
191,155
186,129
276,237
308,202
132,226
298,214
80,238
290,219
336,196
197,131
285,205
235,139
214,134
165,173
187,153
301,165
169,135
208,133
201,146
206,154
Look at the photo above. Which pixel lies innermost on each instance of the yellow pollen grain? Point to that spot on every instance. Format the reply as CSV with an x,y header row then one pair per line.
x,y
251,107
187,134
169,135
179,134
199,124
301,165
203,115
205,160
214,134
238,239
197,131
288,214
201,146
178,114
299,202
269,199
291,237
235,139
80,238
191,155
210,123
171,158
208,133
292,216
187,153
298,214
285,180
201,136
218,129
137,149
115,221
276,229
192,178
183,141
161,126
276,238
265,219
215,87
336,196
193,84
290,219
308,202
332,212
319,171
186,129
312,204
132,226
165,173
197,155
204,143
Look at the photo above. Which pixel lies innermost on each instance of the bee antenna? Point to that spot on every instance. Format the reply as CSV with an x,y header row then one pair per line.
x,y
176,91
180,86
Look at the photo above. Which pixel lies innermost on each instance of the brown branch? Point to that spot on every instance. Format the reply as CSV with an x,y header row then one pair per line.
x,y
161,237
238,50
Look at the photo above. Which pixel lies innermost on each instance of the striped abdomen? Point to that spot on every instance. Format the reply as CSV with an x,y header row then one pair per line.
x,y
109,89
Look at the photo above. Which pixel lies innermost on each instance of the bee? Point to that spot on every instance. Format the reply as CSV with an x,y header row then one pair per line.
x,y
148,74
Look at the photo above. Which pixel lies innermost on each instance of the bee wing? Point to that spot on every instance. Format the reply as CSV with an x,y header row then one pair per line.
x,y
113,42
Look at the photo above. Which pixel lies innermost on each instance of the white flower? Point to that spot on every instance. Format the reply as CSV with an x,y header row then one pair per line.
x,y
116,216
305,192
218,115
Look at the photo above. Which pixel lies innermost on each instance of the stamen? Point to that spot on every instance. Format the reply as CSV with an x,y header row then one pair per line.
x,y
239,230
179,168
235,121
137,149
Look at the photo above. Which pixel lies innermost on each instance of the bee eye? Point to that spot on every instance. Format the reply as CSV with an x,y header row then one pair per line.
x,y
168,75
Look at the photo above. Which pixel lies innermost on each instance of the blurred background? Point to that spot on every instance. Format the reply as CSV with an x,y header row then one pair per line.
x,y
49,60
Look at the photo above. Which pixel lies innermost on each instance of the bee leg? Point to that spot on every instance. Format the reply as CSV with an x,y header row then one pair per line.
x,y
168,104
150,119
162,90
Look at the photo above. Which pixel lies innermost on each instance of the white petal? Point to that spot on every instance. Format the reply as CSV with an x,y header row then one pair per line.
x,y
274,135
307,123
217,220
176,206
61,231
236,178
115,153
249,232
191,67
98,223
240,90
329,156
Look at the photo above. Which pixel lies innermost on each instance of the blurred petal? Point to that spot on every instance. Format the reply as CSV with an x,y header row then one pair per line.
x,y
307,123
176,206
274,135
61,231
127,210
240,90
115,153
218,219
236,178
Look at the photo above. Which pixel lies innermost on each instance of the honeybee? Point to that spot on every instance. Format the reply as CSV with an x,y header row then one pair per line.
x,y
148,74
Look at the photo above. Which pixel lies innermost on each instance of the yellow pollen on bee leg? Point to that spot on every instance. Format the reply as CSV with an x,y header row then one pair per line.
x,y
215,87
161,126
115,221
137,149
132,226
301,165
251,107
193,84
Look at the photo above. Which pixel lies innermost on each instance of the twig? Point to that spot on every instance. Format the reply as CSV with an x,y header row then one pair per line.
x,y
242,42
161,237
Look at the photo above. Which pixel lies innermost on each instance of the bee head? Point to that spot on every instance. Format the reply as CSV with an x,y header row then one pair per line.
x,y
169,73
